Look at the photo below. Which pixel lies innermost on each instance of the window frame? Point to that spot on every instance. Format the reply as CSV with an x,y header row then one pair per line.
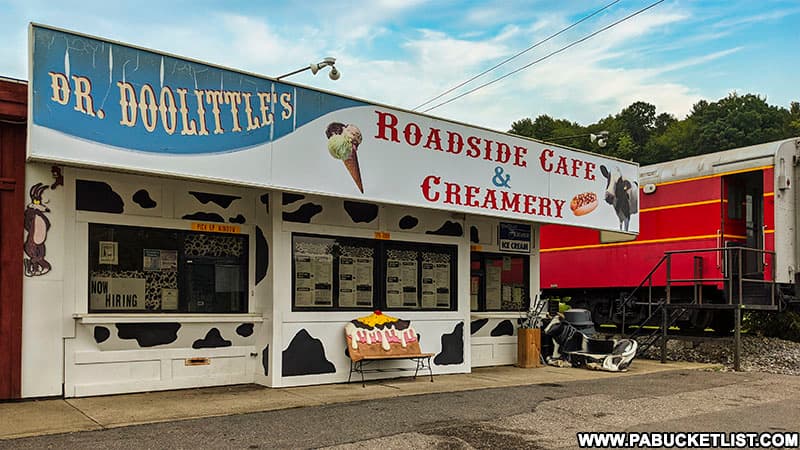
x,y
379,270
482,257
244,263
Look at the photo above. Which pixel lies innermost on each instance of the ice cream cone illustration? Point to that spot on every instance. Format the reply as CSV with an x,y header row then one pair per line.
x,y
343,142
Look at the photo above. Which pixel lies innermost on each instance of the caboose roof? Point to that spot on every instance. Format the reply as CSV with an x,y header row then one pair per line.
x,y
712,163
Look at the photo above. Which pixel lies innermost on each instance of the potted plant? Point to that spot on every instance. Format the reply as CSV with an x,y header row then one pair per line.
x,y
529,336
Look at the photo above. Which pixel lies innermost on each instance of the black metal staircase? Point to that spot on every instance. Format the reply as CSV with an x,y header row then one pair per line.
x,y
741,291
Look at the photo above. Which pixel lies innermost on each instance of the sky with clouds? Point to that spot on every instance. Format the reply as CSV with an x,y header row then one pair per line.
x,y
405,52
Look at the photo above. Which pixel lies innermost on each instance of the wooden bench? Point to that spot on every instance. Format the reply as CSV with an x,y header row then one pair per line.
x,y
378,338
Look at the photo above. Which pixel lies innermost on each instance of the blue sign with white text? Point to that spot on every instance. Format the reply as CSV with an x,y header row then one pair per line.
x,y
515,237
136,99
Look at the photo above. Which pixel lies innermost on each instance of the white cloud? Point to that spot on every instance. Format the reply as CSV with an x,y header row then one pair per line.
x,y
383,60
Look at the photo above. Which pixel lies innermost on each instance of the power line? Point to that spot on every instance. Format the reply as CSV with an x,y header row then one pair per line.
x,y
587,37
517,55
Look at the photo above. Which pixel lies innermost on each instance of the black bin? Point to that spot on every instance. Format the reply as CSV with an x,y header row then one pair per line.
x,y
580,319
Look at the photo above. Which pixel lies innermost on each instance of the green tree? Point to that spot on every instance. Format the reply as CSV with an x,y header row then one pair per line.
x,y
638,120
736,121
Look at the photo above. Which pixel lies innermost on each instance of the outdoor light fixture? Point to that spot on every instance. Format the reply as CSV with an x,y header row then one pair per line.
x,y
600,138
314,68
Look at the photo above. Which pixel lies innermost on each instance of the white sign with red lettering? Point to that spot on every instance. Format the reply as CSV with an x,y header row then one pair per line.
x,y
381,154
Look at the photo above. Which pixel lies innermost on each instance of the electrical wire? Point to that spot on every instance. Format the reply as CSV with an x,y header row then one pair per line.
x,y
574,43
517,55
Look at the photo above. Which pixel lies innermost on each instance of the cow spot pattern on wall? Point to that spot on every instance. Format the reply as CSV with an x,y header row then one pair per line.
x,y
361,212
305,356
97,196
473,234
452,347
204,217
265,200
262,255
504,328
265,360
288,198
101,334
245,330
304,214
149,334
213,339
238,219
222,200
408,222
142,198
449,228
476,325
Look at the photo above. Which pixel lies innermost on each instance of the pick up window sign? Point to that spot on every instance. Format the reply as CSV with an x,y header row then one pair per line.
x,y
515,237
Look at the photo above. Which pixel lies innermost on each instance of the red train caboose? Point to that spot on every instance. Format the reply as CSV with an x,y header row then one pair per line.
x,y
724,220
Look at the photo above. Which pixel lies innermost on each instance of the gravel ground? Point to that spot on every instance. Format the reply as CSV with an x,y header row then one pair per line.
x,y
759,354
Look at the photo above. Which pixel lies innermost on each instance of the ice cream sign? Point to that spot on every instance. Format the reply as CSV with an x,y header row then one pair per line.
x,y
100,103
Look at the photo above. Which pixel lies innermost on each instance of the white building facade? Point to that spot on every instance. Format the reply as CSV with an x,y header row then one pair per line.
x,y
190,225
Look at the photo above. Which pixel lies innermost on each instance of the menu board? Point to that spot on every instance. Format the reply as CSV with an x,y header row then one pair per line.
x,y
313,280
435,285
493,283
401,283
355,281
474,289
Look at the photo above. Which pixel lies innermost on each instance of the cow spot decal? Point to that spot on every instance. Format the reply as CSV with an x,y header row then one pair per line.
x,y
476,325
97,196
204,217
504,328
304,214
245,330
222,200
262,255
288,198
449,228
101,334
213,339
408,222
452,347
238,219
305,356
361,212
149,334
142,198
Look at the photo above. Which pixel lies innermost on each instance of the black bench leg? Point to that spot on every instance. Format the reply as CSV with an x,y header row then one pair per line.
x,y
361,369
351,372
430,369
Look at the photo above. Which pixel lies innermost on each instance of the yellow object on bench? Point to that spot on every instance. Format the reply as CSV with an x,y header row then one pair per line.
x,y
379,337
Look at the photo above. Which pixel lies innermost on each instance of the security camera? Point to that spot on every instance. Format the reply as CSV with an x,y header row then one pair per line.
x,y
334,75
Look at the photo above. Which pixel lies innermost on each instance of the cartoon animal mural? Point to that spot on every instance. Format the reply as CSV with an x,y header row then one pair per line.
x,y
36,225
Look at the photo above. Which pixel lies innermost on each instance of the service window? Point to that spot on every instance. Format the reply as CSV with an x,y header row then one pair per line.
x,y
341,273
138,269
419,276
333,272
499,282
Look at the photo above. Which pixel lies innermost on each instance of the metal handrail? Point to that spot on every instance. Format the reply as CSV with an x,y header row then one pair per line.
x,y
728,278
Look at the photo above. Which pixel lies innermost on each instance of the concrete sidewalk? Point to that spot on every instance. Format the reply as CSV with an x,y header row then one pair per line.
x,y
39,417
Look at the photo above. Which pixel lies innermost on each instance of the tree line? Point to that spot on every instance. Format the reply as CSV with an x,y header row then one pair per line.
x,y
639,133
